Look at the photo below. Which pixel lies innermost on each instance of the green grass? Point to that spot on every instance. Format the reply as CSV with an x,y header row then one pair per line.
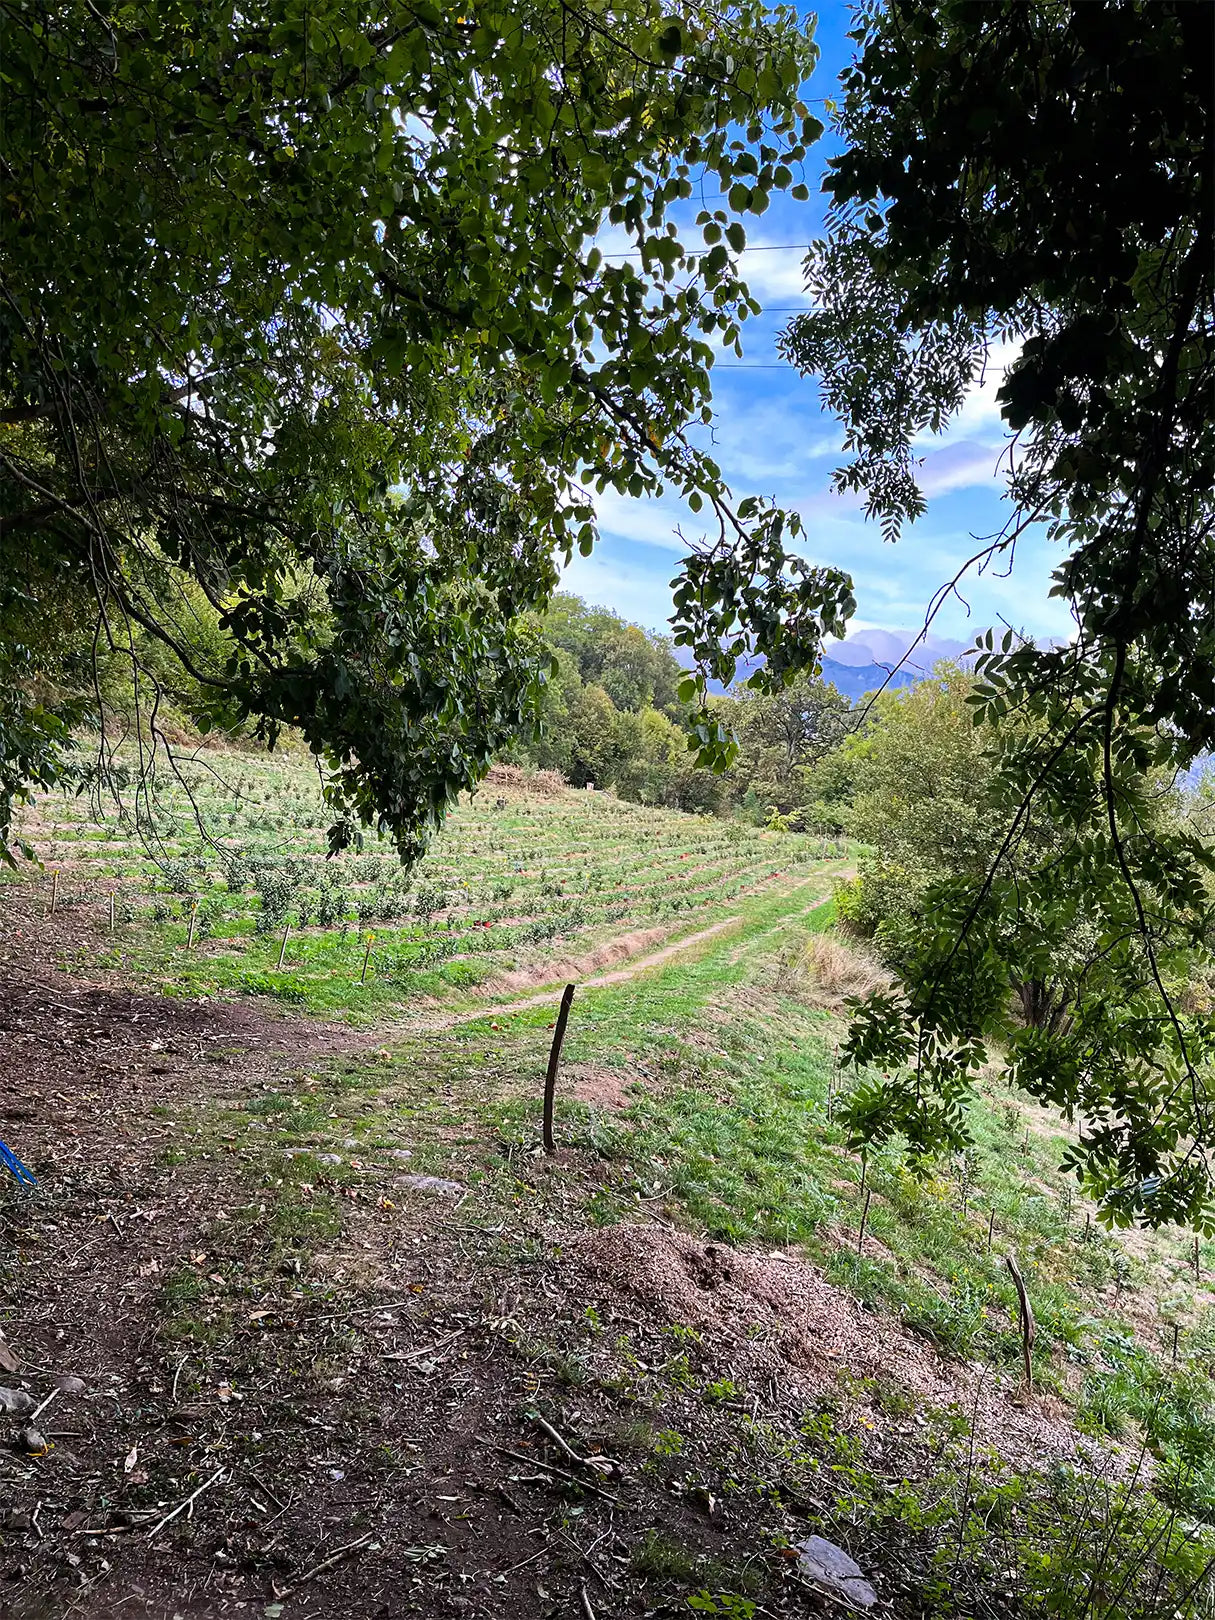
x,y
729,1071
730,1127
514,878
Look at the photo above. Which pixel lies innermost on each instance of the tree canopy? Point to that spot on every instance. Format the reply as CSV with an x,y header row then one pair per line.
x,y
1039,176
311,365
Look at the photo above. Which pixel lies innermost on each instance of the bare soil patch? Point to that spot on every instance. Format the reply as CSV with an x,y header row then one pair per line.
x,y
775,1316
597,1086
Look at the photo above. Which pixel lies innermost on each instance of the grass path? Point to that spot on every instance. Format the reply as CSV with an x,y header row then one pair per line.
x,y
757,922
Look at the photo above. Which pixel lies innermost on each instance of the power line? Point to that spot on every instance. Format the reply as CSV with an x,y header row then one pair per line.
x,y
759,247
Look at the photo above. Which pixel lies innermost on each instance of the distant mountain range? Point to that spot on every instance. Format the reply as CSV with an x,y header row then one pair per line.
x,y
865,660
855,680
868,658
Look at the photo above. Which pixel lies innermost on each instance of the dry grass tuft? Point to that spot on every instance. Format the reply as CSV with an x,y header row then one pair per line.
x,y
545,783
828,971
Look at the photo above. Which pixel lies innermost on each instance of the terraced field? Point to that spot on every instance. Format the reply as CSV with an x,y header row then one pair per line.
x,y
229,867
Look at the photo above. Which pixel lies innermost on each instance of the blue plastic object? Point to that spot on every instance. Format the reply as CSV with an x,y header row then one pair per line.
x,y
11,1162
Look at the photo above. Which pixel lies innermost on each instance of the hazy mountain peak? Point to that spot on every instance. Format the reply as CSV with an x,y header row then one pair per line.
x,y
886,647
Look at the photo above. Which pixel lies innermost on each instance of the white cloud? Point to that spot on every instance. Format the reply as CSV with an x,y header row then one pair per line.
x,y
647,522
777,276
964,465
979,417
642,598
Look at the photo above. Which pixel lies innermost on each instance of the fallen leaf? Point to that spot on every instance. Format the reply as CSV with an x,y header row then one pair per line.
x,y
131,1458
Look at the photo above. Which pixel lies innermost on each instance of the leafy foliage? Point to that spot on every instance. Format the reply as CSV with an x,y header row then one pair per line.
x,y
312,370
1037,176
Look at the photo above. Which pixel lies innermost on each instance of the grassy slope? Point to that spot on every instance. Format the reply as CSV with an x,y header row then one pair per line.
x,y
726,1066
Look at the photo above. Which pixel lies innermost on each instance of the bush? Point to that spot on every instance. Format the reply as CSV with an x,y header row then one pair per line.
x,y
332,904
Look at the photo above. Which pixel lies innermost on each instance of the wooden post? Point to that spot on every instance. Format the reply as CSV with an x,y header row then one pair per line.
x,y
193,920
54,892
1027,1318
1176,1331
111,911
991,1221
860,1237
282,950
366,958
554,1058
1197,1261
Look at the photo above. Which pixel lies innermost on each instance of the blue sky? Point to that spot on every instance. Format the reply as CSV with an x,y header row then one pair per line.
x,y
772,439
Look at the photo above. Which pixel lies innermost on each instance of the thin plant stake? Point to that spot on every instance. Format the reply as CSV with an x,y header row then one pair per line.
x,y
111,911
991,1222
1027,1318
366,958
860,1236
282,950
54,892
193,921
554,1058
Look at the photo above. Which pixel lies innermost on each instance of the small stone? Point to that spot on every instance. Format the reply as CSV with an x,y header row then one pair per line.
x,y
32,1440
329,1158
16,1403
69,1384
831,1567
401,1153
431,1184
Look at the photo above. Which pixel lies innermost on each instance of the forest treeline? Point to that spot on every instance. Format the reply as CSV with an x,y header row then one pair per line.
x,y
905,773
611,715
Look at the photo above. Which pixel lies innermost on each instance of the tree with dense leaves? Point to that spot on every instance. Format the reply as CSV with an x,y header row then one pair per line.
x,y
634,667
1038,174
927,798
781,739
310,365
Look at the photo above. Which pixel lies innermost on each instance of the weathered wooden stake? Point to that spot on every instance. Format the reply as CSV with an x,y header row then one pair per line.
x,y
1176,1331
1197,1261
111,911
54,892
860,1237
554,1058
991,1222
193,920
366,958
1027,1318
282,950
